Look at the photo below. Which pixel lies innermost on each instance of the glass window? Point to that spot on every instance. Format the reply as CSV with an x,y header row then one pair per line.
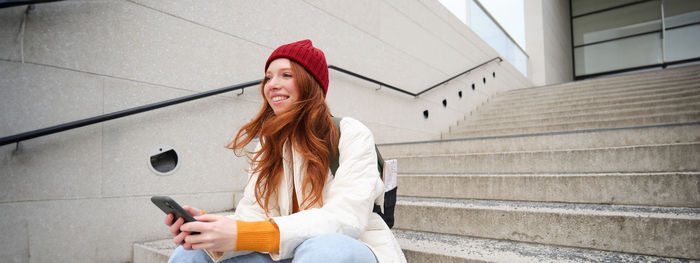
x,y
517,58
489,31
619,54
682,43
626,21
681,12
586,6
628,34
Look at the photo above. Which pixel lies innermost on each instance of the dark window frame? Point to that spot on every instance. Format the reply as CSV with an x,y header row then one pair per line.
x,y
662,65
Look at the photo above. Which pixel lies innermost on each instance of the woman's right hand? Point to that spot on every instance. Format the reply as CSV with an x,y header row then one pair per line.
x,y
179,237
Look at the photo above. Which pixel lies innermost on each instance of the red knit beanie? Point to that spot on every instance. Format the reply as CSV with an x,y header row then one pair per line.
x,y
309,57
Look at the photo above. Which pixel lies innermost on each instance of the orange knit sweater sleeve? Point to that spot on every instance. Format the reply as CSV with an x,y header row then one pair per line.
x,y
260,236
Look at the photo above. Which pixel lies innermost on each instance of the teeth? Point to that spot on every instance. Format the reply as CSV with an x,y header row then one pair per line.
x,y
278,98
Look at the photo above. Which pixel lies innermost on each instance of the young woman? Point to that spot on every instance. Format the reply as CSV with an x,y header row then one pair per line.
x,y
294,209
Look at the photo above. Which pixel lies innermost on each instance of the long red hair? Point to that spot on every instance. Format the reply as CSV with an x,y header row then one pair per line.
x,y
308,126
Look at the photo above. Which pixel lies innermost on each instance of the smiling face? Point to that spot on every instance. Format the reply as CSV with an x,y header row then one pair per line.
x,y
280,88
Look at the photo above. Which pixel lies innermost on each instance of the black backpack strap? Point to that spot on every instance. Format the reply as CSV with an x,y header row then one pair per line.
x,y
380,163
335,157
389,197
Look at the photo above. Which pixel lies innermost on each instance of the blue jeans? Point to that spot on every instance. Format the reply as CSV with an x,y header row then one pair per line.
x,y
325,248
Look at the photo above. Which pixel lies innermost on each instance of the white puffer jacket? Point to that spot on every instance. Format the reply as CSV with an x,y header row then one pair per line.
x,y
348,198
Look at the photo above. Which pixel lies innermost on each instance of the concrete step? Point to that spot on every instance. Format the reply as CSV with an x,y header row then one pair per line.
x,y
615,137
485,113
678,157
659,85
593,84
581,117
655,86
594,113
685,90
492,117
159,251
444,248
672,189
583,103
605,81
628,229
656,119
491,112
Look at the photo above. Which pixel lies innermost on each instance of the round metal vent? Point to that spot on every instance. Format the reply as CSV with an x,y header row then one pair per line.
x,y
163,160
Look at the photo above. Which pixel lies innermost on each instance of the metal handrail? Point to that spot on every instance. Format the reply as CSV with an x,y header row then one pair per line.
x,y
460,74
370,80
11,3
382,84
110,116
123,113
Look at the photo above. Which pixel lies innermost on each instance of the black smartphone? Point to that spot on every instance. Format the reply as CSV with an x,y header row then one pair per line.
x,y
169,206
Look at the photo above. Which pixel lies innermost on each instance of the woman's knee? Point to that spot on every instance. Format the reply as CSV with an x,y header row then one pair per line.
x,y
333,248
180,255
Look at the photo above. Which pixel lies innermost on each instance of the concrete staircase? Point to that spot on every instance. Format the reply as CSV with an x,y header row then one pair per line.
x,y
603,170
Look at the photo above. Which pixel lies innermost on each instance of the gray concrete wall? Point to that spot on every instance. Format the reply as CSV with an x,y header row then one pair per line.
x,y
548,41
83,194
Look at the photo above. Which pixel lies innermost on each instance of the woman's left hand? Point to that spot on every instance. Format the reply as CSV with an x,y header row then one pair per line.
x,y
216,233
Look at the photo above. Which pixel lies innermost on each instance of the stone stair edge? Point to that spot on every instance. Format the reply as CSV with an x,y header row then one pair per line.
x,y
590,100
577,112
506,123
563,140
159,250
596,87
501,99
519,133
689,70
636,229
506,98
664,119
630,112
153,251
603,88
696,123
159,245
572,85
641,158
553,150
556,207
455,248
658,189
574,174
659,118
485,112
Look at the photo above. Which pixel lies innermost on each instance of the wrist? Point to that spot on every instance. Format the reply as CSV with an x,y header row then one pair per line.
x,y
261,236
